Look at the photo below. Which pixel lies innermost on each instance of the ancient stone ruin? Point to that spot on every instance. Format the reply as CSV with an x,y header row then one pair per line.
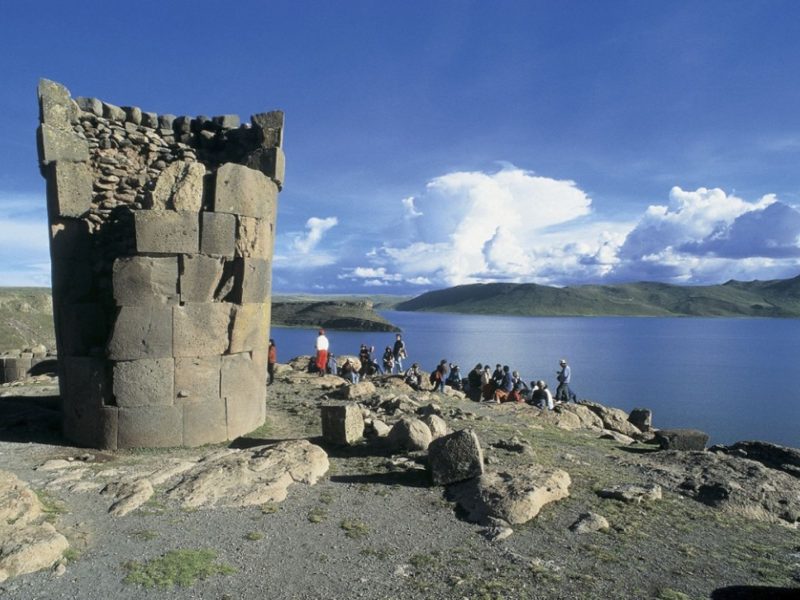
x,y
161,240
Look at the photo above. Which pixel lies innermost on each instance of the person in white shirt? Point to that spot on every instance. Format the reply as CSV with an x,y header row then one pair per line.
x,y
322,352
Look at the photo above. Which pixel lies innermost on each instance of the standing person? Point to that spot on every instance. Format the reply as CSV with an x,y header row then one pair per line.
x,y
487,383
272,358
333,368
474,383
388,360
399,352
563,393
439,375
322,352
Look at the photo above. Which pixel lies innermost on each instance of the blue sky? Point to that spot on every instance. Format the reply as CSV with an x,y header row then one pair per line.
x,y
432,143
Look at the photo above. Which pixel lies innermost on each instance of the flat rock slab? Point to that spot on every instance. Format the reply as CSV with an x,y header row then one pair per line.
x,y
27,543
515,496
632,494
250,477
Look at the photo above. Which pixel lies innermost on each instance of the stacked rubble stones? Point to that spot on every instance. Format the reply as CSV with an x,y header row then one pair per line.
x,y
16,365
161,239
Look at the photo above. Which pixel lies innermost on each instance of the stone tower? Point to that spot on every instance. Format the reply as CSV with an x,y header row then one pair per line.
x,y
162,231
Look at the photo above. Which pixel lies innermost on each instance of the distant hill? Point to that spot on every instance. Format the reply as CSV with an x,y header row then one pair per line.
x,y
331,314
776,298
26,318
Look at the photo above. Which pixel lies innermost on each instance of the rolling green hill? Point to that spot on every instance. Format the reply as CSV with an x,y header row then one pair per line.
x,y
777,298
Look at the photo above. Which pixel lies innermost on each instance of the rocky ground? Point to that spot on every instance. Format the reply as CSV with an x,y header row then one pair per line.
x,y
569,506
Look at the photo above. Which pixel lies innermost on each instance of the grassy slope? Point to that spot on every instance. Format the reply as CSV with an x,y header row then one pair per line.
x,y
26,318
779,298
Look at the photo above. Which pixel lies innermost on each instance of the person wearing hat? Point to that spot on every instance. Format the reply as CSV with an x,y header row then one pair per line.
x,y
322,352
563,393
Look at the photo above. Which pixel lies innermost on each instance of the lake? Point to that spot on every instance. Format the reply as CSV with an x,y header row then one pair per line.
x,y
736,379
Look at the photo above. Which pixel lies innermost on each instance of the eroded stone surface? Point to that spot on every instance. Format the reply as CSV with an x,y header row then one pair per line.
x,y
515,496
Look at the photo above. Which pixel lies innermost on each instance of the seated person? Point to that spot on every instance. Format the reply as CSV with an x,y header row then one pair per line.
x,y
519,390
413,377
541,396
506,386
454,378
349,372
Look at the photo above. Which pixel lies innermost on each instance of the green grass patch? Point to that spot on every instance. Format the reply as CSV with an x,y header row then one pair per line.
x,y
144,534
670,594
317,515
175,568
52,507
354,529
269,508
254,536
71,554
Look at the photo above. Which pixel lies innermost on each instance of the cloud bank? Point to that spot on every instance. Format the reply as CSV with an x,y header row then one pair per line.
x,y
514,225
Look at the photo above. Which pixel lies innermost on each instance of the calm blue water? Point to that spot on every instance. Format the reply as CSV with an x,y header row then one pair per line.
x,y
736,379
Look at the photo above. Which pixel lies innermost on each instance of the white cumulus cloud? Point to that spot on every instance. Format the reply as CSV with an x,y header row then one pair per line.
x,y
315,230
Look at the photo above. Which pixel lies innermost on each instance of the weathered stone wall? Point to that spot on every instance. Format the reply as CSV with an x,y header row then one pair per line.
x,y
161,239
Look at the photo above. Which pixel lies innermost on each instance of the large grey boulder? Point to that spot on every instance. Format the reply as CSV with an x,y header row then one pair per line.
x,y
455,457
770,455
642,418
515,496
681,439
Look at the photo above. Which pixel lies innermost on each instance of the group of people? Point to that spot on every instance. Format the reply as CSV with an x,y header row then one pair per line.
x,y
481,383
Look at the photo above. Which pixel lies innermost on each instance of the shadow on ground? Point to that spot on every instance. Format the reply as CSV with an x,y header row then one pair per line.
x,y
35,419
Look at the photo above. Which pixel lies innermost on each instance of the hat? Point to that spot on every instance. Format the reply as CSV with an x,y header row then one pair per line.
x,y
563,361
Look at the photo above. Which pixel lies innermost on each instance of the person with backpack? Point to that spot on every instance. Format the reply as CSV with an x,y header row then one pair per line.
x,y
438,376
388,360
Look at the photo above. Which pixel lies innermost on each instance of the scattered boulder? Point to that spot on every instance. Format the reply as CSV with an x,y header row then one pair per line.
x,y
455,457
410,433
27,542
342,424
437,425
430,409
515,496
250,477
514,444
589,522
642,418
380,428
632,494
617,437
681,439
587,418
357,391
614,419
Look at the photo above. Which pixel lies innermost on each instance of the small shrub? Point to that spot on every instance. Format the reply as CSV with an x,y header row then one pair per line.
x,y
177,567
354,529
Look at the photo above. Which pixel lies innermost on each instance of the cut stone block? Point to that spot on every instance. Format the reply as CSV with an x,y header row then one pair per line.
x,y
59,144
342,424
56,107
141,332
243,191
90,105
143,280
218,235
254,238
167,232
71,281
204,423
199,277
197,379
244,378
227,121
83,328
641,418
84,389
144,382
271,162
201,329
69,238
150,427
250,329
253,280
69,189
269,125
179,187
455,457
